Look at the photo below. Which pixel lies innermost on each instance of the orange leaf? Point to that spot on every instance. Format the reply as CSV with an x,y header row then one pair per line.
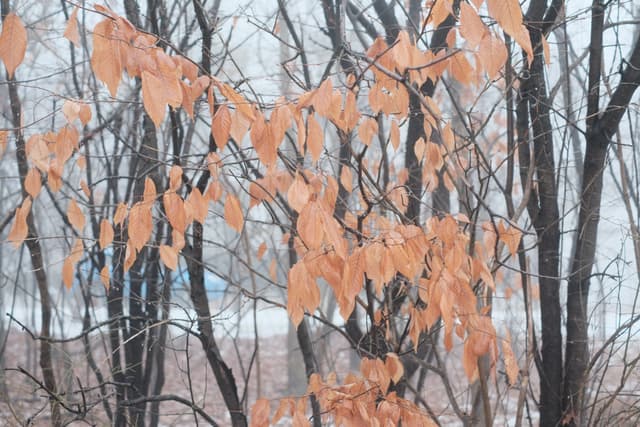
x,y
233,213
105,277
71,110
68,268
38,152
221,126
346,178
322,98
175,177
175,210
314,138
120,214
33,182
154,102
199,205
169,256
19,229
4,135
85,113
149,195
71,31
508,13
140,226
13,43
367,129
106,233
510,362
260,413
107,56
471,26
493,55
75,215
298,194
261,250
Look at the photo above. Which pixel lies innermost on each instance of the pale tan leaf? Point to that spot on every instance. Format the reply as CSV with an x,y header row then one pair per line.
x,y
175,177
367,130
13,42
71,110
175,210
394,134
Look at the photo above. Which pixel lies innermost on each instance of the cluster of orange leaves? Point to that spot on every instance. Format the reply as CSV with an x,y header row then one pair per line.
x,y
434,259
359,401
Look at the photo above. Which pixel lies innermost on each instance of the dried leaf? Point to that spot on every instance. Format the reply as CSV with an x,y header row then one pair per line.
x,y
221,126
510,362
13,43
33,182
71,32
233,213
106,233
105,277
19,229
261,250
260,413
75,215
108,54
169,256
314,138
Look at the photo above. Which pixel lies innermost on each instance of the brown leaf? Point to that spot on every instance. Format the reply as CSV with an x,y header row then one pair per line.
x,y
13,42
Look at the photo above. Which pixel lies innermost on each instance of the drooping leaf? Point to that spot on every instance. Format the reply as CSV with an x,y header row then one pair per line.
x,y
140,226
260,413
13,42
471,26
107,58
19,229
314,138
75,215
106,233
298,194
169,256
71,32
33,182
221,126
105,277
233,213
154,103
120,214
